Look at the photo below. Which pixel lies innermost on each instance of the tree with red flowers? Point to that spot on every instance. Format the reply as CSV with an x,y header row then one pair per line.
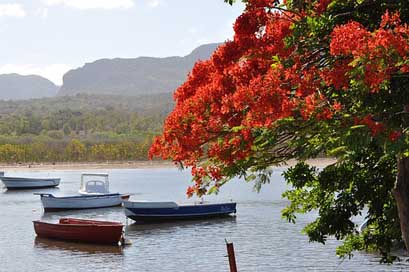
x,y
302,79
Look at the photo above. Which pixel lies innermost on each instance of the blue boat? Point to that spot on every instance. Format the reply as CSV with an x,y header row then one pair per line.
x,y
163,211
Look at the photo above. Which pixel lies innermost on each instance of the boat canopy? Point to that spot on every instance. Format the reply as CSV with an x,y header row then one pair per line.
x,y
94,183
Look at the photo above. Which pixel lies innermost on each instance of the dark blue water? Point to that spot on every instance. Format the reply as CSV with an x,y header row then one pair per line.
x,y
262,240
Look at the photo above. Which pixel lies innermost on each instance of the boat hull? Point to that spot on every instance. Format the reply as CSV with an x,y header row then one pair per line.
x,y
29,183
52,203
88,231
144,211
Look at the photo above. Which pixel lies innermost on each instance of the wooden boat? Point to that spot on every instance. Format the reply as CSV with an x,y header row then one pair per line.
x,y
29,183
54,203
81,230
162,211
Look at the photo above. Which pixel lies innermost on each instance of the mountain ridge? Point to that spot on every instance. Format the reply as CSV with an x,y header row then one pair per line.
x,y
133,76
14,86
117,76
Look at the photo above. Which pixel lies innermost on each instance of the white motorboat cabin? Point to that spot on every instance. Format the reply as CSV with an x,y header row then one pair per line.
x,y
94,184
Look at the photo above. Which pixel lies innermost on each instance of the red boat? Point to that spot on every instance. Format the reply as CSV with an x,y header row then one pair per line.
x,y
81,230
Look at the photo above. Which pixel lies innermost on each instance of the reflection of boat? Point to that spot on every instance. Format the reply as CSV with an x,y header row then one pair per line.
x,y
31,191
54,203
162,211
93,194
153,227
29,183
52,244
81,230
110,213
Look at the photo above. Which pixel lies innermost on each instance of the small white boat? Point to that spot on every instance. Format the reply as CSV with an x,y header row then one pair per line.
x,y
29,183
94,194
55,203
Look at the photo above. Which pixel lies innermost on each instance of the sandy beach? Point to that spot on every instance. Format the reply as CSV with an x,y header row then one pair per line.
x,y
321,162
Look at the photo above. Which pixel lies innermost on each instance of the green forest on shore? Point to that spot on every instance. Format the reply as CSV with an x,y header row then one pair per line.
x,y
80,128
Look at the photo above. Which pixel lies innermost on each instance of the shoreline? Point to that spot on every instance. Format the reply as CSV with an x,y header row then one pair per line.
x,y
320,162
86,165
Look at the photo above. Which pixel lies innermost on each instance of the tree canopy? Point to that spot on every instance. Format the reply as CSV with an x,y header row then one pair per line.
x,y
80,128
302,79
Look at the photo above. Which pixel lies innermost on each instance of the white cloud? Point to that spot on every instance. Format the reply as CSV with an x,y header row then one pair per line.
x,y
153,3
42,12
12,10
203,40
92,4
193,30
53,72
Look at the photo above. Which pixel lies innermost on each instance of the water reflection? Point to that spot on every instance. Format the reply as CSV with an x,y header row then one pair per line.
x,y
30,191
49,244
102,213
151,228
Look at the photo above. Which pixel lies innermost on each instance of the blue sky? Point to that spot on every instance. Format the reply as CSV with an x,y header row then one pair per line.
x,y
49,37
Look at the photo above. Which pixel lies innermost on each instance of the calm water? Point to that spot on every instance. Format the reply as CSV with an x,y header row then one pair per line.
x,y
262,240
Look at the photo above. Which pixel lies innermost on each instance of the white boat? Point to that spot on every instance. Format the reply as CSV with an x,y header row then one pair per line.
x,y
56,203
29,183
94,193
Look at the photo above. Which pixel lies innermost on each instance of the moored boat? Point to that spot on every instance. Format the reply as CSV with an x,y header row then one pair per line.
x,y
60,203
162,211
81,230
92,194
29,183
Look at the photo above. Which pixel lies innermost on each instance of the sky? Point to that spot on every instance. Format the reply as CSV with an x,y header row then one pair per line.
x,y
50,37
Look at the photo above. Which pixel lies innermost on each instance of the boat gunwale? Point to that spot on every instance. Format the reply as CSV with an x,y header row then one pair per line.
x,y
117,224
177,204
78,196
27,179
183,215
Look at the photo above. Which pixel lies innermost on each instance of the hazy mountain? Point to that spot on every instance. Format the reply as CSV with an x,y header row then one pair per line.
x,y
17,87
138,76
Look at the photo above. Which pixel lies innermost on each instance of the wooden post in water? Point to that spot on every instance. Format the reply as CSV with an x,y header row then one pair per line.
x,y
232,257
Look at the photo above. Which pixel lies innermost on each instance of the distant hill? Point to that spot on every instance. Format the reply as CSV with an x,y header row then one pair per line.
x,y
18,87
133,77
143,105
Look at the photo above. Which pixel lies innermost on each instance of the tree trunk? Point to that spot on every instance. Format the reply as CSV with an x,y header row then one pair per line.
x,y
401,193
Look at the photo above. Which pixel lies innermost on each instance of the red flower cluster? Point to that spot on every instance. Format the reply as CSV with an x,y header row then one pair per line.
x,y
375,127
382,52
245,86
395,135
349,39
321,6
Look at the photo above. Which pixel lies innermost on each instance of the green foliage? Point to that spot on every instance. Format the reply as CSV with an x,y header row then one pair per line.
x,y
361,183
80,128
